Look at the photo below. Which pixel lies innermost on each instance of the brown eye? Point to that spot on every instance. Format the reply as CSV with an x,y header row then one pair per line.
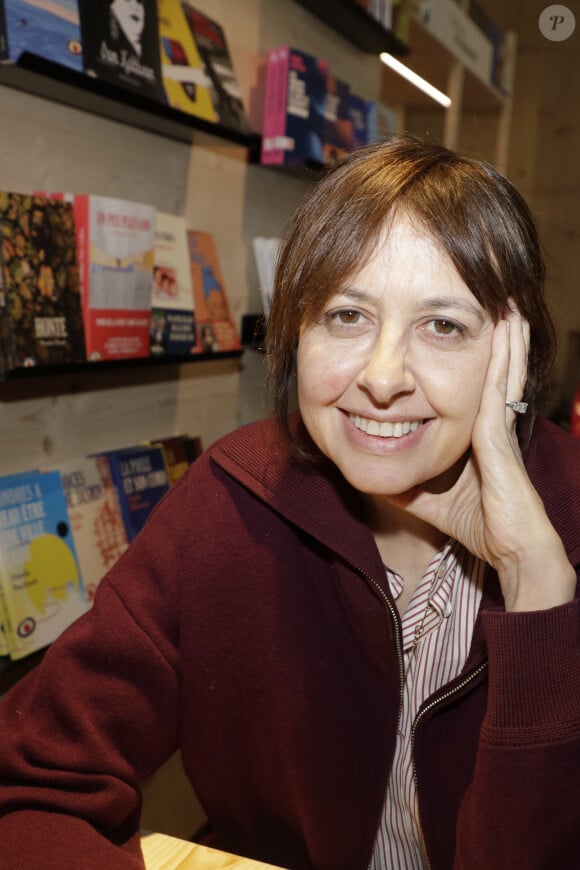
x,y
445,327
348,316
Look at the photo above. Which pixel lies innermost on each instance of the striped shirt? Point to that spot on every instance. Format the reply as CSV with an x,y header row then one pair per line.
x,y
444,609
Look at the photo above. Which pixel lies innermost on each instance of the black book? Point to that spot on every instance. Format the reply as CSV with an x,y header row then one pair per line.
x,y
121,44
221,77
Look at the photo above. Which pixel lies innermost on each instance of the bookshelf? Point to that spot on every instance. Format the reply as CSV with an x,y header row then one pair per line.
x,y
353,22
471,96
48,80
22,373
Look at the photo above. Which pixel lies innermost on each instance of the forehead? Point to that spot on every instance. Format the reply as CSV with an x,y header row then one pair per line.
x,y
407,259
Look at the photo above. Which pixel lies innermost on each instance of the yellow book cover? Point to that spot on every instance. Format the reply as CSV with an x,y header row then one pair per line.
x,y
42,585
184,78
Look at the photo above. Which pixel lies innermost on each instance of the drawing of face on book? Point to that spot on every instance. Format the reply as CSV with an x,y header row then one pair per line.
x,y
129,17
214,295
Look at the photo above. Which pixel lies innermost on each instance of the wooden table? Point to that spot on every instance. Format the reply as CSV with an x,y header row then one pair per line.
x,y
168,853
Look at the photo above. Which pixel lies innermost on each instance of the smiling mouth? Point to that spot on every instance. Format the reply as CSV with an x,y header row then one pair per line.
x,y
384,430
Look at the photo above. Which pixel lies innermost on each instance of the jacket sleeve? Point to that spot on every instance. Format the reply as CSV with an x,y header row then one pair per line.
x,y
97,716
523,805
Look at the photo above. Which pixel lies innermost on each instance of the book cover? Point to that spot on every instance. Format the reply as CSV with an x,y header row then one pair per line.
x,y
4,640
216,330
180,452
48,28
296,83
40,282
42,586
140,477
4,54
172,309
381,122
115,244
266,255
95,518
186,85
213,49
575,415
338,130
120,40
358,112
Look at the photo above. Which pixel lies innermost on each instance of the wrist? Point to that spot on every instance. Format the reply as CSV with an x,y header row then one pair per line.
x,y
542,578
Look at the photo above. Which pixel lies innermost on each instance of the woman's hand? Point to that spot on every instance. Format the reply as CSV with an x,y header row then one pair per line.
x,y
492,508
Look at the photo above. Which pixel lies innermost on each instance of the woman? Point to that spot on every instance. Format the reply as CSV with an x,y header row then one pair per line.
x,y
357,622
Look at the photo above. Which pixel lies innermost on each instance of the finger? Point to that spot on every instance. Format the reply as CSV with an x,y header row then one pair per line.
x,y
518,355
495,387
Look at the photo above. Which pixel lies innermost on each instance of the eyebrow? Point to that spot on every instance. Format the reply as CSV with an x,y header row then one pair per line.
x,y
443,302
437,303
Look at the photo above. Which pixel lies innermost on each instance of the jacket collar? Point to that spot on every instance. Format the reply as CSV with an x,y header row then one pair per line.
x,y
309,493
313,495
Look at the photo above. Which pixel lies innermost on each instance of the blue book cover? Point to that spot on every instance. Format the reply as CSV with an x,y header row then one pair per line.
x,y
41,582
140,476
358,112
47,28
338,127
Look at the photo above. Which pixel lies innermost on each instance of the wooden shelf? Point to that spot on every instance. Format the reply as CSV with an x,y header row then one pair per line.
x,y
31,373
355,24
51,81
433,62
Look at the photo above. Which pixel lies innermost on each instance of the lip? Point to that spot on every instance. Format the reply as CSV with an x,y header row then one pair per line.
x,y
386,428
386,443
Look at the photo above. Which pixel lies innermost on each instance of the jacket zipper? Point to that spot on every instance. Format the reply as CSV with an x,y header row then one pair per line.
x,y
430,706
398,641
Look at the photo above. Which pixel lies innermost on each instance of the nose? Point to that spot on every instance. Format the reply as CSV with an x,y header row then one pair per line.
x,y
387,371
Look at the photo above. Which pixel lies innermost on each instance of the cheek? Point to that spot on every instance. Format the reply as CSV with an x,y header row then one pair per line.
x,y
324,371
455,383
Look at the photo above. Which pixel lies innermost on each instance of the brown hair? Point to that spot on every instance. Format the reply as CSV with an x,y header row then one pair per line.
x,y
464,204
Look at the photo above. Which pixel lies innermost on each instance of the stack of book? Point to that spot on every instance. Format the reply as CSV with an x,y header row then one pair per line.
x,y
61,530
311,116
88,277
164,50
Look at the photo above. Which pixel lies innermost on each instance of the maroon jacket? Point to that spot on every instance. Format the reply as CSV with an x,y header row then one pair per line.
x,y
251,624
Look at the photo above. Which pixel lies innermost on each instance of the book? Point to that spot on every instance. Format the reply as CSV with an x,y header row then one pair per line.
x,y
358,110
95,518
266,256
212,45
215,327
47,28
4,52
185,82
382,122
295,97
120,42
115,244
180,452
40,576
140,476
41,317
575,415
338,129
172,308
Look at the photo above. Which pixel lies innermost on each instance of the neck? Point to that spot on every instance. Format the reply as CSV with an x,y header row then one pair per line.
x,y
405,543
392,523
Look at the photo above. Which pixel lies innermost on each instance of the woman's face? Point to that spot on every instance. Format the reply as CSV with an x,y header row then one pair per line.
x,y
131,16
390,374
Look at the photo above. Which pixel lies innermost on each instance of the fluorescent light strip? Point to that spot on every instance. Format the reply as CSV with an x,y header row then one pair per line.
x,y
415,79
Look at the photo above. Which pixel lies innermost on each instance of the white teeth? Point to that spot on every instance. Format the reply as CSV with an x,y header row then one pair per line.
x,y
384,430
